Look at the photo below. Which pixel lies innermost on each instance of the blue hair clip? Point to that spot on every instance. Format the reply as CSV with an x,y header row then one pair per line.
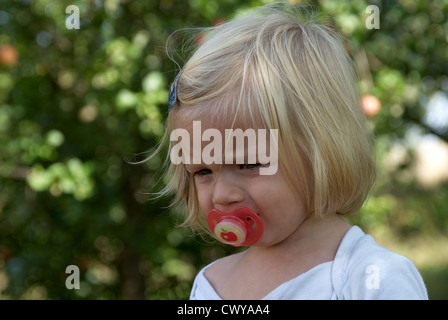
x,y
172,95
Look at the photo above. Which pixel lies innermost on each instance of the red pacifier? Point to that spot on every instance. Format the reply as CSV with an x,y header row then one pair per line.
x,y
241,227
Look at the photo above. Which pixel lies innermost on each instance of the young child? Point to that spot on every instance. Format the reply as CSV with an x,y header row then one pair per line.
x,y
287,83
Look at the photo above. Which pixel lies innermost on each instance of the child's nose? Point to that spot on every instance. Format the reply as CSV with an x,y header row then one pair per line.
x,y
226,192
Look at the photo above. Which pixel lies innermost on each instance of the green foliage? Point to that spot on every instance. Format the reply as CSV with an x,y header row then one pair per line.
x,y
74,104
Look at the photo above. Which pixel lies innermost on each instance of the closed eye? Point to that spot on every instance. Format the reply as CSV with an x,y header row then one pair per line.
x,y
252,167
202,172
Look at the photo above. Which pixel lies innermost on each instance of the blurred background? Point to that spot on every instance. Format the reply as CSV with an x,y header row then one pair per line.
x,y
74,103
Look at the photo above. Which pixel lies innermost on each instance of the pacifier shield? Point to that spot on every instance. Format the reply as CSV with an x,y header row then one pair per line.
x,y
241,227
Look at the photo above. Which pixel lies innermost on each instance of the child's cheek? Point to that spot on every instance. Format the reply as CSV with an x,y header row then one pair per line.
x,y
205,197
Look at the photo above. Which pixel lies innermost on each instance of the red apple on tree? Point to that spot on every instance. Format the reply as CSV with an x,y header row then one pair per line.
x,y
371,105
8,55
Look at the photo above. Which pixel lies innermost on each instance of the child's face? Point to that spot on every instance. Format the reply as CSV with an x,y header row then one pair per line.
x,y
227,186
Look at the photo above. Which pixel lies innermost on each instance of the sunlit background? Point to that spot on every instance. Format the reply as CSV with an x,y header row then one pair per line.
x,y
75,103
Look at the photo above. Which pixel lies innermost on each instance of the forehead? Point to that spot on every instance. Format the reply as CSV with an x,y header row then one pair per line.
x,y
217,116
236,134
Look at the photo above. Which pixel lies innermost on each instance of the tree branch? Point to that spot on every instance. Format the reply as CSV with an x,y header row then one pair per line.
x,y
416,120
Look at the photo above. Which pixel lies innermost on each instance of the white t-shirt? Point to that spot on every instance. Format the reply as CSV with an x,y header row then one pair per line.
x,y
361,270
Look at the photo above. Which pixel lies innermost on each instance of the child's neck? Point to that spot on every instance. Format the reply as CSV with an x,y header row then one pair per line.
x,y
317,239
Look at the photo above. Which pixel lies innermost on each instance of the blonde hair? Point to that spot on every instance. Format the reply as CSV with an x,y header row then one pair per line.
x,y
287,68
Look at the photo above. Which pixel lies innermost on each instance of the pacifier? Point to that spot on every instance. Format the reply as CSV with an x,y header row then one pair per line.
x,y
241,227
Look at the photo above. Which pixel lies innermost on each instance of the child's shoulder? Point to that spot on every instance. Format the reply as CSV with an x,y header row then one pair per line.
x,y
359,249
363,269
